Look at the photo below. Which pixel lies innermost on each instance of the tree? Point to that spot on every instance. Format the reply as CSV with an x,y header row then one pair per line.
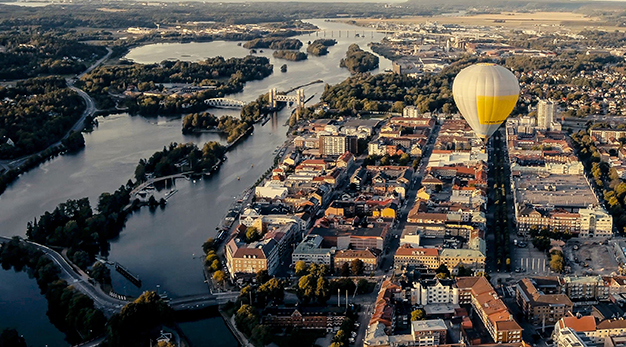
x,y
363,286
209,245
398,107
246,319
216,265
341,337
262,276
418,314
345,270
356,266
219,276
441,275
404,159
273,289
101,273
556,261
306,287
210,258
262,334
252,234
301,268
443,269
322,290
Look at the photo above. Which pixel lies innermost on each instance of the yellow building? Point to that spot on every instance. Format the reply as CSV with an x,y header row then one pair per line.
x,y
386,212
469,258
369,257
421,258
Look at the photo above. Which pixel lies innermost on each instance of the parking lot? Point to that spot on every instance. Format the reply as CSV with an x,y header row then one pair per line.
x,y
529,260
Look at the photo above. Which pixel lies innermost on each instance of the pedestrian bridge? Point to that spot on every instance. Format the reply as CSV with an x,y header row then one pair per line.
x,y
224,103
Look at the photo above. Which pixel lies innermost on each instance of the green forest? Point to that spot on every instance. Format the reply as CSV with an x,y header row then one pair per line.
x,y
273,43
358,60
290,55
177,158
229,125
220,76
30,55
74,225
319,47
35,114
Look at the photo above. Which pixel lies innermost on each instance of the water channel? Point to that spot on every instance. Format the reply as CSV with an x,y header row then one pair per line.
x,y
163,247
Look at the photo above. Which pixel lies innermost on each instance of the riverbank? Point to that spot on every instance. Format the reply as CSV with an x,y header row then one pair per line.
x,y
160,247
230,323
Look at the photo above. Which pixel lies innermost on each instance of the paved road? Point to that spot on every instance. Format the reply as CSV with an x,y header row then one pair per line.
x,y
386,262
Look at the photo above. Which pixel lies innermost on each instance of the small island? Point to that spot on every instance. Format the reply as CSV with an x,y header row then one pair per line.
x,y
207,122
290,55
273,43
358,60
319,47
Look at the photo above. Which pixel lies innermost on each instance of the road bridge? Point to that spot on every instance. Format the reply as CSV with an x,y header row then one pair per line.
x,y
198,302
224,103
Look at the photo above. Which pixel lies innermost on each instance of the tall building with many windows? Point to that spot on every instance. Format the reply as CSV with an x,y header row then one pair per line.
x,y
338,144
545,114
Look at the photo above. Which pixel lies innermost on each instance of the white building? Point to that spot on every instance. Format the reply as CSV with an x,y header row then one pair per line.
x,y
272,190
411,112
251,217
412,238
310,251
567,337
545,114
595,222
437,291
450,158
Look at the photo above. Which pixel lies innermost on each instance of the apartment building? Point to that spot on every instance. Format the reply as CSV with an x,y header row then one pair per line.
x,y
585,288
369,257
468,258
435,291
310,251
420,258
538,307
492,311
589,329
265,254
331,145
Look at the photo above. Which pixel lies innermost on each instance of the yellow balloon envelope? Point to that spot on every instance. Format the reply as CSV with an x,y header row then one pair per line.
x,y
485,94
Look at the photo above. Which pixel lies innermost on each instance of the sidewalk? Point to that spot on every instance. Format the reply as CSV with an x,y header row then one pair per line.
x,y
230,322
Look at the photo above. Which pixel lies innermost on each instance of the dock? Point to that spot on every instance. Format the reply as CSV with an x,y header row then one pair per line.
x,y
129,276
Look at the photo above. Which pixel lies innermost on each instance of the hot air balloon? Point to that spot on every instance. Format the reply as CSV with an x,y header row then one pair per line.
x,y
485,94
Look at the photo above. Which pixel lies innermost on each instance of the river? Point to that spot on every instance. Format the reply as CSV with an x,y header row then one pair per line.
x,y
163,247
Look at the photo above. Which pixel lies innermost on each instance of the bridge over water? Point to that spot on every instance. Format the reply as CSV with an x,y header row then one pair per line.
x,y
224,103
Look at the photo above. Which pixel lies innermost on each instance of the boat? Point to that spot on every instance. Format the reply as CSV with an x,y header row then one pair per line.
x,y
238,178
252,165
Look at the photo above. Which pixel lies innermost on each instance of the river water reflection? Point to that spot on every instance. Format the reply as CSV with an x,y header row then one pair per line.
x,y
163,247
